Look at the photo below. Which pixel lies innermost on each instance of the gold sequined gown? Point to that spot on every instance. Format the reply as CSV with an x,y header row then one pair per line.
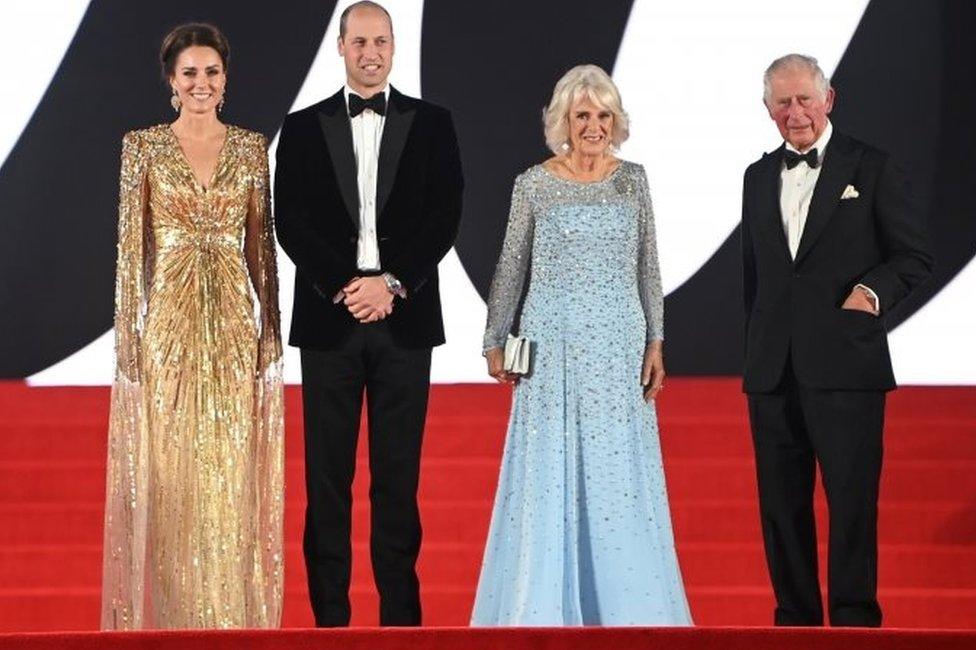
x,y
193,517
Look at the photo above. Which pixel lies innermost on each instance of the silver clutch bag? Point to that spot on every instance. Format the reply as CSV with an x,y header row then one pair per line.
x,y
517,355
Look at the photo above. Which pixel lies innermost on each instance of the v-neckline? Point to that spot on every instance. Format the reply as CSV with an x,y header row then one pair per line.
x,y
186,159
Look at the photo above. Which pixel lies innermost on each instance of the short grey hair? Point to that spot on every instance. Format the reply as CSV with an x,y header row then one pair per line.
x,y
793,62
362,4
594,83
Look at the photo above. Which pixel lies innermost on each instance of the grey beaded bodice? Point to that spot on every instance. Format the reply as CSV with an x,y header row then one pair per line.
x,y
578,237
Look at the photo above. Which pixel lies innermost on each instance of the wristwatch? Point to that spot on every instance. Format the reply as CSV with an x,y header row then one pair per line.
x,y
395,286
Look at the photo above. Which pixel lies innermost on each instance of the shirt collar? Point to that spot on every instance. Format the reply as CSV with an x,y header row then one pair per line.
x,y
820,145
346,90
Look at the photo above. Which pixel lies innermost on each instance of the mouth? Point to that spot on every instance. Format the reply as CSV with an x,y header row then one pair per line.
x,y
593,138
201,97
371,67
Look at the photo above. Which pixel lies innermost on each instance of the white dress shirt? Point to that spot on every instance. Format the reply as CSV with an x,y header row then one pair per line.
x,y
367,132
796,190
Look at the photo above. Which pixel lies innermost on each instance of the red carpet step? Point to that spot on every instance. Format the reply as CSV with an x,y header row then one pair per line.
x,y
52,448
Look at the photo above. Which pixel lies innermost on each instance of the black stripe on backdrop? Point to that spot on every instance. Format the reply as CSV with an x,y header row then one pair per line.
x,y
495,70
58,187
906,84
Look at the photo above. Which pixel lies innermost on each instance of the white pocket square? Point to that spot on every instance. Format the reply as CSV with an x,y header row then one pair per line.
x,y
850,192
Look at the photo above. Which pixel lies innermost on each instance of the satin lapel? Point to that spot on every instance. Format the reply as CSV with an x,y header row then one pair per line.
x,y
770,213
399,117
840,161
338,137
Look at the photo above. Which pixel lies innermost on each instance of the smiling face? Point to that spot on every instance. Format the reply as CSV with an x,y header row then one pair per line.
x,y
590,127
798,106
367,48
199,79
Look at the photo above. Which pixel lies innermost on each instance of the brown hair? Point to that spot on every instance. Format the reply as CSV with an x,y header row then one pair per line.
x,y
188,35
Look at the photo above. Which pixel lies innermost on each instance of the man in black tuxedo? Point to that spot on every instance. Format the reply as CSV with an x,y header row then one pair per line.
x,y
831,241
368,192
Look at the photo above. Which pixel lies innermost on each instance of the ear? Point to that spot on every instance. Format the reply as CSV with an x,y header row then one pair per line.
x,y
340,47
829,101
769,110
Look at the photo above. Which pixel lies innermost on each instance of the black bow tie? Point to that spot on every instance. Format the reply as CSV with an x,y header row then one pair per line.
x,y
792,158
376,103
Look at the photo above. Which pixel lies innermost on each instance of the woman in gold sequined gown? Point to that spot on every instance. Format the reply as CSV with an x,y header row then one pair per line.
x,y
193,520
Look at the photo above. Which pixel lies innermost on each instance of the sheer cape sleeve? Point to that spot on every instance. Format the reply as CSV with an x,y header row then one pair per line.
x,y
124,549
512,267
648,268
261,257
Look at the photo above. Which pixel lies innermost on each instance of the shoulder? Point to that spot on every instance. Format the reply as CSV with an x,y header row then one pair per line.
x,y
310,113
140,145
428,111
247,138
436,111
531,178
301,117
147,136
869,154
632,169
631,178
768,158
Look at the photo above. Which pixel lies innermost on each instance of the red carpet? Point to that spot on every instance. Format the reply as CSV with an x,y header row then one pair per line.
x,y
712,638
52,446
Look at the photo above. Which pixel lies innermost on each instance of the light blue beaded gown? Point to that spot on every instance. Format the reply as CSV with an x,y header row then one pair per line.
x,y
580,532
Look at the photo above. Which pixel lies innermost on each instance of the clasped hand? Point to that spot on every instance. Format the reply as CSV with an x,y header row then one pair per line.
x,y
368,299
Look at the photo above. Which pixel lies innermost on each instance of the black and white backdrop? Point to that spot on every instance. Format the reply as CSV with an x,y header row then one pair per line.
x,y
78,74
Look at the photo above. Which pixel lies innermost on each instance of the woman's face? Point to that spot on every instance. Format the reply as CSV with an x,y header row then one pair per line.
x,y
590,127
199,79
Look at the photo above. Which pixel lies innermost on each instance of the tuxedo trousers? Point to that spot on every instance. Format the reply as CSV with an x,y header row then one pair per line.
x,y
795,428
395,383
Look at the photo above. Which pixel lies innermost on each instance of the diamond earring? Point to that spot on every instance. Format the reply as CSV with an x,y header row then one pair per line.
x,y
175,102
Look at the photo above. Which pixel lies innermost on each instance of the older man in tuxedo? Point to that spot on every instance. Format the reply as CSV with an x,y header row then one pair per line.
x,y
367,201
831,241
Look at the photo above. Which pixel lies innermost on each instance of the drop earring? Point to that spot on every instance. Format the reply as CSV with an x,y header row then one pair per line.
x,y
175,102
220,106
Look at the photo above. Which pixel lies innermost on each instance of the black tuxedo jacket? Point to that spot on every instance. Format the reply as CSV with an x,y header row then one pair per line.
x,y
793,307
418,208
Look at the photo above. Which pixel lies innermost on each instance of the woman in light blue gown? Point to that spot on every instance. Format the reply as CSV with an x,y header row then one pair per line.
x,y
581,532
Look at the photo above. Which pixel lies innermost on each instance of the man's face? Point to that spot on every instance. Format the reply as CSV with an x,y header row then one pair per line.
x,y
367,49
797,107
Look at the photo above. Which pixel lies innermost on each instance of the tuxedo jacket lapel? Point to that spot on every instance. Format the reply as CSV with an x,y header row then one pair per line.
x,y
334,119
839,163
770,213
396,127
